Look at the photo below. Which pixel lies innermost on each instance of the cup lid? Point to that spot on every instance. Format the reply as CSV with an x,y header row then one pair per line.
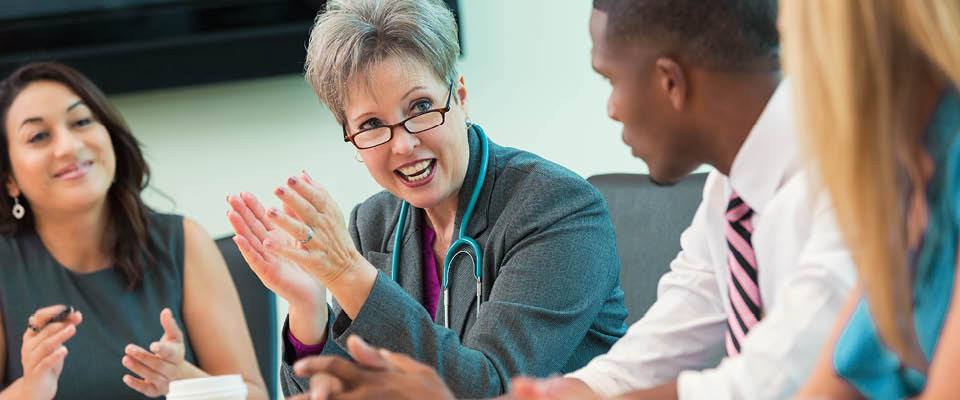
x,y
208,384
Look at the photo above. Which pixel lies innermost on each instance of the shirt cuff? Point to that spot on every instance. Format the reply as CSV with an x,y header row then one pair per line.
x,y
301,350
291,353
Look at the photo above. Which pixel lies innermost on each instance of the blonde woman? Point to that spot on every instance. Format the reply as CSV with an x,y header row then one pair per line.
x,y
877,83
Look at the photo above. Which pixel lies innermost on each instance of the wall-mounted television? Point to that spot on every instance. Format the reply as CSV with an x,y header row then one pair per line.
x,y
132,45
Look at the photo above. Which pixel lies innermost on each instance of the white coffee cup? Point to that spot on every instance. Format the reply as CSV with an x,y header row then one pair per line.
x,y
223,387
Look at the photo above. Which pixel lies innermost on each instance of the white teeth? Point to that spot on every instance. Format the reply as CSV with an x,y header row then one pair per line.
x,y
419,176
415,168
416,172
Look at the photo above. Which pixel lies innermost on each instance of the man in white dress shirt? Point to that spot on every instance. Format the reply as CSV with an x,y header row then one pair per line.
x,y
763,270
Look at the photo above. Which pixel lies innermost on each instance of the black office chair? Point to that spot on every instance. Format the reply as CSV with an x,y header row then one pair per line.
x,y
648,220
259,309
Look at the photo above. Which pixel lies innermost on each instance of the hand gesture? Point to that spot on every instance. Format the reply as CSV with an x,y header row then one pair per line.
x,y
43,353
376,374
159,366
249,221
322,245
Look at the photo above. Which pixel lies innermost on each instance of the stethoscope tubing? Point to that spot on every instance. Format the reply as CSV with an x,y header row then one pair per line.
x,y
463,239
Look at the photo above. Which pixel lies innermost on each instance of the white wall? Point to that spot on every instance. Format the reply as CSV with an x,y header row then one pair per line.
x,y
527,68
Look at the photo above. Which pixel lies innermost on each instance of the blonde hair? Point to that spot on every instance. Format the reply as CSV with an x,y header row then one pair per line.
x,y
857,66
350,36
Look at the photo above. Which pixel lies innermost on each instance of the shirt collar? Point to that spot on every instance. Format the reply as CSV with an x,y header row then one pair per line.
x,y
768,157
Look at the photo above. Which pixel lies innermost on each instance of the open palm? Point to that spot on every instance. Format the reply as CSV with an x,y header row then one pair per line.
x,y
279,275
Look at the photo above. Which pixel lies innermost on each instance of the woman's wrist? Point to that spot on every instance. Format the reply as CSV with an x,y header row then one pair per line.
x,y
189,371
308,324
14,391
21,389
352,287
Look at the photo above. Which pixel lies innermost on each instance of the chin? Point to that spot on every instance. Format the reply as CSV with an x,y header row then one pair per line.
x,y
668,175
417,197
87,195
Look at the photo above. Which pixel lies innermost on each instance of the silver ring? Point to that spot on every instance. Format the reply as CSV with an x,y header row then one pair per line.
x,y
309,236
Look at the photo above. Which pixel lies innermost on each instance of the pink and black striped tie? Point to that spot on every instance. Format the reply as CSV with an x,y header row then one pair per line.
x,y
745,305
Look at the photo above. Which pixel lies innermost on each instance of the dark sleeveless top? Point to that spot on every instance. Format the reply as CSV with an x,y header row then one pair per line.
x,y
30,278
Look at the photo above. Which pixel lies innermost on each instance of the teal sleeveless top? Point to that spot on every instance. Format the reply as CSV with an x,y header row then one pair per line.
x,y
30,278
859,356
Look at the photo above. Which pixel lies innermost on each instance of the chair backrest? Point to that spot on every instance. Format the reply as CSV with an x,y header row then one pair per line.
x,y
259,309
648,220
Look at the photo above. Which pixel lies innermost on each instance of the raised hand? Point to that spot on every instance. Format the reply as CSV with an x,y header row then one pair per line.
x,y
253,228
159,366
43,353
322,245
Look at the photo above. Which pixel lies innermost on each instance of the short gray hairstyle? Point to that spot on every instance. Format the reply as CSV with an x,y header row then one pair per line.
x,y
353,35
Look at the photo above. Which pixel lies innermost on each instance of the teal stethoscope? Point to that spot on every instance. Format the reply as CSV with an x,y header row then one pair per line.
x,y
462,240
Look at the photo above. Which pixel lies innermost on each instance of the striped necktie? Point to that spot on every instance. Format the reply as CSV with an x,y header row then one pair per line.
x,y
745,306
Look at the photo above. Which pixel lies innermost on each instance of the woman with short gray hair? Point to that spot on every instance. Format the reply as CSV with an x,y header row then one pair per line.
x,y
520,250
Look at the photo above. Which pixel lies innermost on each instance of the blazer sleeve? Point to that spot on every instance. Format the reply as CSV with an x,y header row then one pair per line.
x,y
559,267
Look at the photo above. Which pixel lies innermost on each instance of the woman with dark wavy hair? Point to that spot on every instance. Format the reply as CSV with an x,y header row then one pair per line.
x,y
76,237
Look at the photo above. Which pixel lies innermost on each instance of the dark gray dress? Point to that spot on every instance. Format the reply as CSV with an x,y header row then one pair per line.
x,y
30,278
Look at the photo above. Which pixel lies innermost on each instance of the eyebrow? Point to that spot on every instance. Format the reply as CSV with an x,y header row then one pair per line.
x,y
74,105
360,117
38,119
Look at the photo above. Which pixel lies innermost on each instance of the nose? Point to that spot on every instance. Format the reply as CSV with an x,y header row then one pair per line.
x,y
612,109
403,142
66,143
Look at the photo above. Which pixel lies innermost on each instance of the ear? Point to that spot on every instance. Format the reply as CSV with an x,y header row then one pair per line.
x,y
13,189
672,81
461,93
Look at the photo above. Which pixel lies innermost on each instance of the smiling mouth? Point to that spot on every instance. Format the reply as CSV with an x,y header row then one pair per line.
x,y
416,172
75,170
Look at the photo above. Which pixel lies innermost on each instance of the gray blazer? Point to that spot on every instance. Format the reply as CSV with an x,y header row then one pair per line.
x,y
551,290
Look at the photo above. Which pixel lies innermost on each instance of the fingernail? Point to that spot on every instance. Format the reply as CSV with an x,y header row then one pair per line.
x,y
272,212
280,191
306,176
291,181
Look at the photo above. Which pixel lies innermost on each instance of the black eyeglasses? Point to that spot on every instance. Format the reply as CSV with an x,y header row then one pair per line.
x,y
425,121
